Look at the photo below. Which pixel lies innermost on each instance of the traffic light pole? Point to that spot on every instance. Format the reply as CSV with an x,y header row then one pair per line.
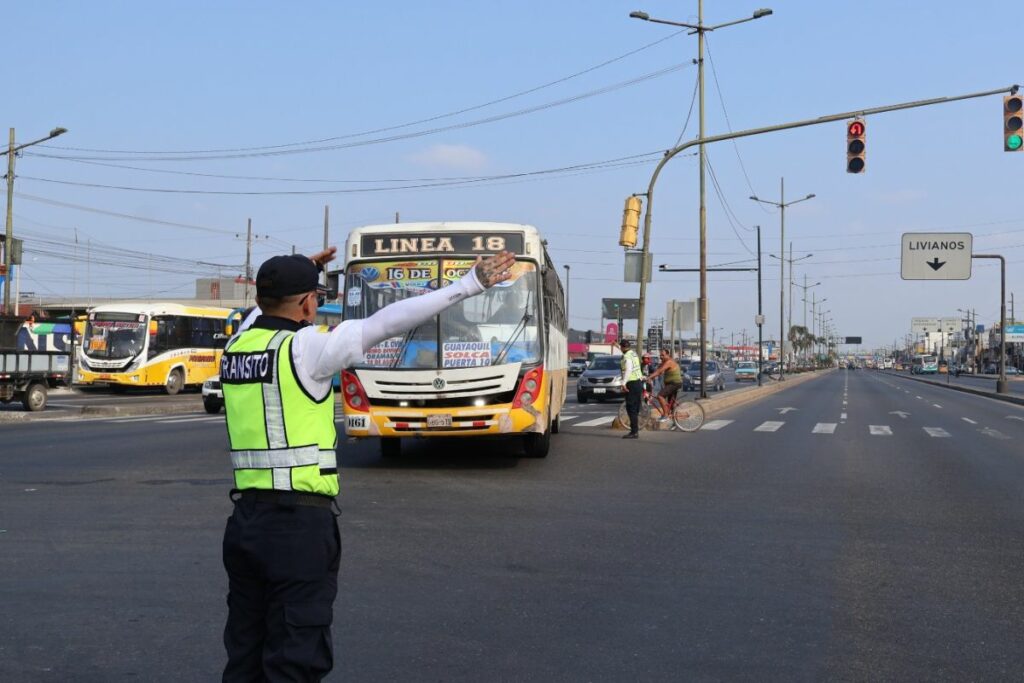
x,y
1001,385
669,154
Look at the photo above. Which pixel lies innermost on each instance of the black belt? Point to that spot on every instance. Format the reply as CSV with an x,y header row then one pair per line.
x,y
285,498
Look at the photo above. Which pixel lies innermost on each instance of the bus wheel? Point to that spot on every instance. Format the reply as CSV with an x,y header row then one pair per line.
x,y
34,398
175,382
537,445
390,446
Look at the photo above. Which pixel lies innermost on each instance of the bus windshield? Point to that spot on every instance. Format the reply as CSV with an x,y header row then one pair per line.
x,y
112,336
497,327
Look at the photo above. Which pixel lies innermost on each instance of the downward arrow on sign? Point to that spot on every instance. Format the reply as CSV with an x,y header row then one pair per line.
x,y
936,263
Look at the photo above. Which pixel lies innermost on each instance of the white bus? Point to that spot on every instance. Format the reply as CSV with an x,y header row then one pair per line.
x,y
924,364
495,364
152,345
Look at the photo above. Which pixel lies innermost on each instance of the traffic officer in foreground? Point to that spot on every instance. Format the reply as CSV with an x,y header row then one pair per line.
x,y
281,544
633,378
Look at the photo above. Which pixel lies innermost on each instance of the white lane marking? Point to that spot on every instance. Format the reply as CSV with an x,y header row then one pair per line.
x,y
1015,417
880,430
968,420
213,418
995,434
844,403
145,418
824,428
842,416
937,432
936,405
783,411
769,426
603,420
902,413
714,425
566,418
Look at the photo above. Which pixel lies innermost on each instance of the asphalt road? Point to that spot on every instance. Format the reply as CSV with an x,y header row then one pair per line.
x,y
855,527
1015,383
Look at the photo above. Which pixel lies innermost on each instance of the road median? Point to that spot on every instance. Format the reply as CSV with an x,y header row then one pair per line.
x,y
88,411
716,404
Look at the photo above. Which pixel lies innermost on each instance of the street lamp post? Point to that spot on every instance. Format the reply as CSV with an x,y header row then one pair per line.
x,y
700,29
791,261
782,204
12,149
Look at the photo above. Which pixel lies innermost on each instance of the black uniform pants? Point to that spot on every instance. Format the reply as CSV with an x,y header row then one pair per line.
x,y
282,564
633,397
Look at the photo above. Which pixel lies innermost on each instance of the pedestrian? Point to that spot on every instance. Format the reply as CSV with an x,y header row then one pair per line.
x,y
633,378
281,544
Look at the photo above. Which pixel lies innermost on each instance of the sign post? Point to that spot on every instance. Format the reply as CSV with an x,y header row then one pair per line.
x,y
936,256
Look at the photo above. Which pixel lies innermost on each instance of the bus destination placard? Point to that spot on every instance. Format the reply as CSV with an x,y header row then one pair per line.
x,y
442,243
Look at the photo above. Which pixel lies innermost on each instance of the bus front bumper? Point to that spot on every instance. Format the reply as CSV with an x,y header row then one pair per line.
x,y
399,422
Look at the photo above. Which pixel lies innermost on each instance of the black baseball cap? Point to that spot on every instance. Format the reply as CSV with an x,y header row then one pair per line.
x,y
625,344
281,276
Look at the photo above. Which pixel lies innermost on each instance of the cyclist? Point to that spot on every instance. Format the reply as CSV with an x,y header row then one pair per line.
x,y
672,381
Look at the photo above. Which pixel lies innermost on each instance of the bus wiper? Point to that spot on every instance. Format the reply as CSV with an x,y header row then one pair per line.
x,y
520,328
405,343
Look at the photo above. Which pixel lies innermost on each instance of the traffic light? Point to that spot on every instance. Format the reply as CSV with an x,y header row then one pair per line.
x,y
1012,127
630,223
855,146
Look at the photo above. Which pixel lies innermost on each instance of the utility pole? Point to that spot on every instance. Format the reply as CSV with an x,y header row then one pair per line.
x,y
327,220
700,29
760,316
248,262
568,324
9,231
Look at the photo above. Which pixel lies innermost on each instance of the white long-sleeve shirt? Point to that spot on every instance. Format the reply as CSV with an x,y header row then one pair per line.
x,y
320,355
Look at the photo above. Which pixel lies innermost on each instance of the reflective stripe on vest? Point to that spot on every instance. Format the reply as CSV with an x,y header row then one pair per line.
x,y
281,437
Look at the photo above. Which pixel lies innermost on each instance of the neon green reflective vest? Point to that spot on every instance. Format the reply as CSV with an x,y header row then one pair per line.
x,y
281,437
636,373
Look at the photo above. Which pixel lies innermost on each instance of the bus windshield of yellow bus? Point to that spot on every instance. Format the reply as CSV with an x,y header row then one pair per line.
x,y
111,336
497,327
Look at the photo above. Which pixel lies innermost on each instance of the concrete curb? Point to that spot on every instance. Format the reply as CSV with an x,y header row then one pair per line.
x,y
718,404
1006,398
177,408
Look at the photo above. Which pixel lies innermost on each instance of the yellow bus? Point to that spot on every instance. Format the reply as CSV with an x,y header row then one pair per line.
x,y
494,364
152,345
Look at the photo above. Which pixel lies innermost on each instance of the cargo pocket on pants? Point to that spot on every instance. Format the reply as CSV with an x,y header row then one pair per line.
x,y
309,635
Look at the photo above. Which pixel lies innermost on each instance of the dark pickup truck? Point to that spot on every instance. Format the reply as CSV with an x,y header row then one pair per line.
x,y
28,375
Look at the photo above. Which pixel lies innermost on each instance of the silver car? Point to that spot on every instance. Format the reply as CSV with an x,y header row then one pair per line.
x,y
601,380
713,375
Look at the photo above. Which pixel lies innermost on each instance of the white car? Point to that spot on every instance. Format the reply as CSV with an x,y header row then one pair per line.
x,y
213,396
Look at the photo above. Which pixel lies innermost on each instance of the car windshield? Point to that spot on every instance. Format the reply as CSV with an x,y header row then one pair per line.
x,y
710,366
746,365
112,336
497,327
605,363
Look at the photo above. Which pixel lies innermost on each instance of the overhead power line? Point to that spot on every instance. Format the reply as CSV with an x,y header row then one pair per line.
x,y
430,119
390,138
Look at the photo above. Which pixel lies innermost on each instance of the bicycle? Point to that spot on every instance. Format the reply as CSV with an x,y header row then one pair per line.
x,y
686,414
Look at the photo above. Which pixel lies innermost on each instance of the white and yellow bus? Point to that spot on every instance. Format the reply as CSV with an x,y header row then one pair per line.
x,y
494,364
152,345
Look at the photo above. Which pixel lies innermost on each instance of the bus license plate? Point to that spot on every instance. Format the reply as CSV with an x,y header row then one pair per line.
x,y
600,390
439,420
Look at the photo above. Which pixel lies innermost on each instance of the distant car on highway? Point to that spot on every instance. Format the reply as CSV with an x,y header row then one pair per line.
x,y
601,380
213,395
577,366
746,369
713,374
994,370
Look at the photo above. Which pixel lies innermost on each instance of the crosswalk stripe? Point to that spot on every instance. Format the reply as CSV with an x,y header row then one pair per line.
x,y
566,418
994,433
769,426
937,432
968,420
603,420
714,425
824,428
880,430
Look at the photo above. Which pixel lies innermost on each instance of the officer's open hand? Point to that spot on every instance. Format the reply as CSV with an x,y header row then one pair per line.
x,y
494,269
322,258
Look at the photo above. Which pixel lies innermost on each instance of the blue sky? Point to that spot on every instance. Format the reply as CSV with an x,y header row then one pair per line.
x,y
199,76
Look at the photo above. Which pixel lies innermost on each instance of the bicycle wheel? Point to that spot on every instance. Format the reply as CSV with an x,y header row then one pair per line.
x,y
687,415
642,419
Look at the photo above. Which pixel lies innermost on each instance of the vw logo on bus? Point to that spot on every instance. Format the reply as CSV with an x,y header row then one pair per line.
x,y
439,383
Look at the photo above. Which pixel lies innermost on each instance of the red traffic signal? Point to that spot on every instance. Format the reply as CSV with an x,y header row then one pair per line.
x,y
855,148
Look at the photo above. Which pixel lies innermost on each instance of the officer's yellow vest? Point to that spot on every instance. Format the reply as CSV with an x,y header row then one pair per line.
x,y
281,437
636,373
